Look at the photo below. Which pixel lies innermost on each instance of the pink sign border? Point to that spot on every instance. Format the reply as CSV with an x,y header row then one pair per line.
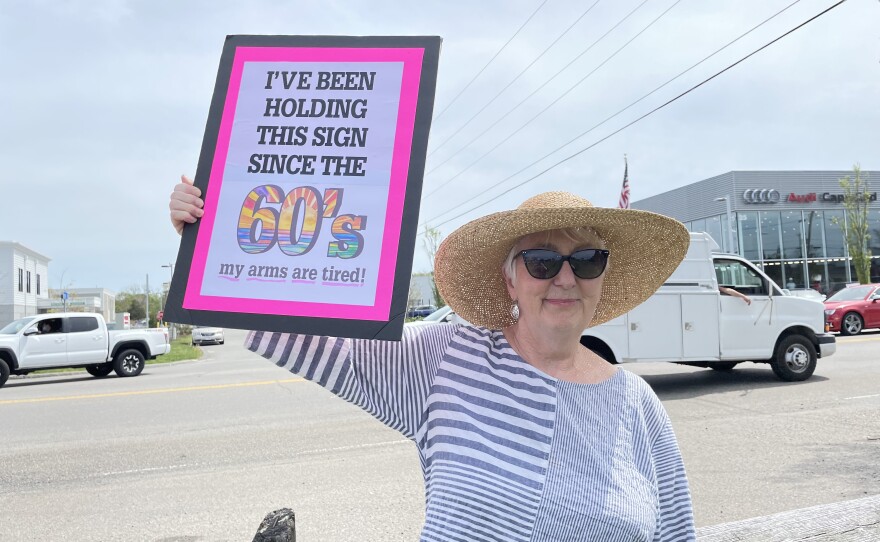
x,y
409,93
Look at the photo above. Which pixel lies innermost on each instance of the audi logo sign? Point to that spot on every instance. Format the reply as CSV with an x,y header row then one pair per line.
x,y
761,195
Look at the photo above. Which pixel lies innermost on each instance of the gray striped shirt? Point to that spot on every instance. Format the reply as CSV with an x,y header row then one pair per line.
x,y
508,452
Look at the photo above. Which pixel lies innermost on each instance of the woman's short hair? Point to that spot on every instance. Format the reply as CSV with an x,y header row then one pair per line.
x,y
579,236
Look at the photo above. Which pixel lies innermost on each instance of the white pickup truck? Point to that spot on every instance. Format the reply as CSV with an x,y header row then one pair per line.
x,y
690,321
76,339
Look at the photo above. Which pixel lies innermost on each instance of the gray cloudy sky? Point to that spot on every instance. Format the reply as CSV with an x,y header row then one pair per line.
x,y
103,105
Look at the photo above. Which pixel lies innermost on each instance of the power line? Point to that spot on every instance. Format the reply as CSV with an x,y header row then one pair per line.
x,y
551,104
515,79
811,19
440,114
545,83
570,141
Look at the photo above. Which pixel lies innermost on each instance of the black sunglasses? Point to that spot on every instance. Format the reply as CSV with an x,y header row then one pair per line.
x,y
543,263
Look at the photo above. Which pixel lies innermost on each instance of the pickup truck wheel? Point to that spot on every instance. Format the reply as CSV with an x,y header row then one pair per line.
x,y
99,371
795,359
851,324
129,363
4,372
723,366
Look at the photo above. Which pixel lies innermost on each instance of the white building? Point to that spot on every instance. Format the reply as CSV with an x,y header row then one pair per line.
x,y
24,281
98,300
421,290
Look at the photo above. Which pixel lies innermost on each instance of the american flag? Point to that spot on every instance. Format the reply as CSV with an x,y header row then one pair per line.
x,y
623,203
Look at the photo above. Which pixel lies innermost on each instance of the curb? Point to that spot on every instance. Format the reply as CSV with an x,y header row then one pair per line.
x,y
847,521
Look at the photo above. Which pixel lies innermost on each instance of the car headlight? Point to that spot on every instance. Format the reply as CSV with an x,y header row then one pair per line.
x,y
829,312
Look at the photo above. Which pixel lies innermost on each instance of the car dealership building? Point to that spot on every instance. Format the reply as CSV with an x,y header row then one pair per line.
x,y
791,223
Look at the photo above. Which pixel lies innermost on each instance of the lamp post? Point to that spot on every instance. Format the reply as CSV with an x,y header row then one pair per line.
x,y
726,200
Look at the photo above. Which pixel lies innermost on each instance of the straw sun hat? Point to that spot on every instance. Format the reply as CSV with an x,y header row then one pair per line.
x,y
645,250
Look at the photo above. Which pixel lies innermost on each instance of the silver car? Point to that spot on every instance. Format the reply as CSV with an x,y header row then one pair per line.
x,y
204,335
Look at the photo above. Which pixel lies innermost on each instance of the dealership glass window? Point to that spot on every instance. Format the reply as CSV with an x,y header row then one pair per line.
x,y
724,237
817,272
874,230
815,234
20,279
838,276
28,282
713,228
749,242
794,275
792,234
774,271
698,225
770,239
835,246
38,284
874,270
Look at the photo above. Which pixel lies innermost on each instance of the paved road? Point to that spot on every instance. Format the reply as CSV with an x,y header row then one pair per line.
x,y
200,451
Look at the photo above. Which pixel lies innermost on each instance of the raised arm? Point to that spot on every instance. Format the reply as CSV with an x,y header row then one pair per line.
x,y
388,379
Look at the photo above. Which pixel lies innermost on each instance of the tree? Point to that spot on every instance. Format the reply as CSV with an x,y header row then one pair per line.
x,y
132,302
432,239
412,298
855,200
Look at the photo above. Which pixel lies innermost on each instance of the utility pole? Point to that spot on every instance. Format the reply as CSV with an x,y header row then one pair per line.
x,y
170,267
147,300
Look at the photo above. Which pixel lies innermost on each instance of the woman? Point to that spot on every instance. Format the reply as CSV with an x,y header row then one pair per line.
x,y
523,434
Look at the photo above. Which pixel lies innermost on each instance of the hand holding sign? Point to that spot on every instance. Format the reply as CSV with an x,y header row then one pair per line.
x,y
186,204
307,187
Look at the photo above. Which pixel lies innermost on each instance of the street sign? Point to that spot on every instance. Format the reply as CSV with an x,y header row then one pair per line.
x,y
64,296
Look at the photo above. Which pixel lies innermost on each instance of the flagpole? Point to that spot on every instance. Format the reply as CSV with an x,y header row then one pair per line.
x,y
623,202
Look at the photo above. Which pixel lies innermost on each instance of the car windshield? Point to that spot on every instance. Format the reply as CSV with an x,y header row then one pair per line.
x,y
438,314
856,293
16,326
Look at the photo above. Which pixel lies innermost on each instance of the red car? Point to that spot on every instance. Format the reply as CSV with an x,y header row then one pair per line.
x,y
853,309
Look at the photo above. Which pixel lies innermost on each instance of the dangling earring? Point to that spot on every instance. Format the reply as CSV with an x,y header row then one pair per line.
x,y
514,311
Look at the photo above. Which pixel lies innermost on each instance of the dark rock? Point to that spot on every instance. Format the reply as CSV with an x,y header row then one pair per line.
x,y
277,526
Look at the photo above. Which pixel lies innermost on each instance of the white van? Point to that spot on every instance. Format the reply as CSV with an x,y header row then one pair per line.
x,y
690,321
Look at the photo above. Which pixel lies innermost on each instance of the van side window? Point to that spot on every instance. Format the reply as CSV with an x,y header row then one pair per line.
x,y
734,274
83,323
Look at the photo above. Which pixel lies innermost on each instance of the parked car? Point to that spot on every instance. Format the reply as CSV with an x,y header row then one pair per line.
x,y
443,315
77,339
421,311
205,335
853,309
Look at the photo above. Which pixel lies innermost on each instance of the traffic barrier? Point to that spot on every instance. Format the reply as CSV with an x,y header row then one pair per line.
x,y
847,521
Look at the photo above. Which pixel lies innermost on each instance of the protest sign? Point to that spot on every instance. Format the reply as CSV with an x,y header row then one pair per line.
x,y
311,171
